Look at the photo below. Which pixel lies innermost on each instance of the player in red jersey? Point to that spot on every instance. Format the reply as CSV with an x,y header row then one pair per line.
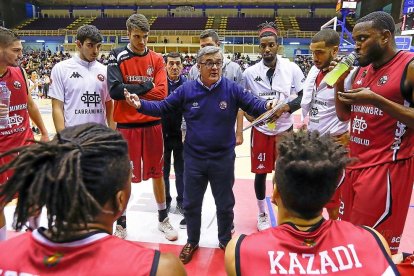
x,y
308,167
83,178
141,71
21,108
380,107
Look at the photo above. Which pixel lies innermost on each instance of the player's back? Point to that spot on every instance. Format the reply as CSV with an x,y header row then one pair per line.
x,y
95,254
330,248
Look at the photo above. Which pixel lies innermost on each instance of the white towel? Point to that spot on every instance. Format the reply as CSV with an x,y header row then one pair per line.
x,y
308,90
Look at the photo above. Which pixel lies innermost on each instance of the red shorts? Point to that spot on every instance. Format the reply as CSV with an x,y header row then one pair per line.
x,y
146,148
379,197
263,152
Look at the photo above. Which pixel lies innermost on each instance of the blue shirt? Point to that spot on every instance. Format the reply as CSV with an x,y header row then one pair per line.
x,y
210,114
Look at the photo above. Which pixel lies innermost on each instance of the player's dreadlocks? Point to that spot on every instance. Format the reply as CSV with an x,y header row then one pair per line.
x,y
73,176
267,29
307,171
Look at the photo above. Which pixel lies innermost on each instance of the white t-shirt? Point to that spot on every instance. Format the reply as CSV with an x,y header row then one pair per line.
x,y
287,80
82,88
319,102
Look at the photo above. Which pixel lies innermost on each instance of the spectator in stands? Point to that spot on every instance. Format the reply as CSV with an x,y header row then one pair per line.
x,y
272,78
142,72
210,105
83,178
79,90
308,168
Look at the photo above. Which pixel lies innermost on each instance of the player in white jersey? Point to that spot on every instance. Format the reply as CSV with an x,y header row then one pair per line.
x,y
319,99
231,71
78,85
272,77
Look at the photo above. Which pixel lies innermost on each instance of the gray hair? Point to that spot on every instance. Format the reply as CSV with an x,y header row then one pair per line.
x,y
209,50
137,22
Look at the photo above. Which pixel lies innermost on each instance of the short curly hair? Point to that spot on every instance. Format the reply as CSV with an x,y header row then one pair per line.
x,y
307,173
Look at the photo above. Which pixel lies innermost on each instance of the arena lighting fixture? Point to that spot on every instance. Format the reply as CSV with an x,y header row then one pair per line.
x,y
40,41
294,43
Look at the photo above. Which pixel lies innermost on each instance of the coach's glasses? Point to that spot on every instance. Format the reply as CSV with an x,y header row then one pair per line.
x,y
209,64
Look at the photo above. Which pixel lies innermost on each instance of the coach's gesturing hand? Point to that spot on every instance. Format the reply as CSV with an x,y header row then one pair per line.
x,y
132,99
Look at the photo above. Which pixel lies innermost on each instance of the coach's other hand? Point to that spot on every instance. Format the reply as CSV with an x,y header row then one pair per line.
x,y
132,99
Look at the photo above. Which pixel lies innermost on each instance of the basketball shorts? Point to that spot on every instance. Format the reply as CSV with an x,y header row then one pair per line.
x,y
146,148
379,197
5,175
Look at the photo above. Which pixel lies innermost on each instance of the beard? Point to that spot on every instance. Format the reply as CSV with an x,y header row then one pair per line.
x,y
373,54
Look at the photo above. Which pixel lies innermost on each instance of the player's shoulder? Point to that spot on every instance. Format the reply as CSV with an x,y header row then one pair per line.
x,y
252,69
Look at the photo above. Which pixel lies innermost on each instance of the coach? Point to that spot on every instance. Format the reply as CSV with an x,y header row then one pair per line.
x,y
209,106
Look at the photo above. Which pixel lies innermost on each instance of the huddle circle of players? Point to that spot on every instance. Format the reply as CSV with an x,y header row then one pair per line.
x,y
358,143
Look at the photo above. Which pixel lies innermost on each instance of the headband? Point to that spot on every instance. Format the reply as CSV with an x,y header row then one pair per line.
x,y
267,29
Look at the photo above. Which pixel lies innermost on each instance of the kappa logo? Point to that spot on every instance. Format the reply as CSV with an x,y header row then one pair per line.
x,y
257,79
260,167
383,80
17,84
76,75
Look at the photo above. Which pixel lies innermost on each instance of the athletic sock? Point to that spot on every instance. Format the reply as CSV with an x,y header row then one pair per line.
x,y
162,214
262,206
162,206
3,233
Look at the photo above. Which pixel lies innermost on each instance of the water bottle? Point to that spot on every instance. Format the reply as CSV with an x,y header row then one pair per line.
x,y
332,77
4,100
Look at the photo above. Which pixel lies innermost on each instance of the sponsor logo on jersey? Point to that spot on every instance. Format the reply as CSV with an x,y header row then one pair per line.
x,y
195,105
257,79
101,77
51,261
359,125
313,111
383,80
90,99
260,167
76,75
223,105
150,70
17,84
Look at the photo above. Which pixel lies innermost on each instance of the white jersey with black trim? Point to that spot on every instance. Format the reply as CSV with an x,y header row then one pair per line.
x,y
319,103
231,71
82,88
287,80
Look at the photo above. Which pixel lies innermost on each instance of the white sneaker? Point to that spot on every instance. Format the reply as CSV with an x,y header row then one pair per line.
x,y
169,232
120,232
263,222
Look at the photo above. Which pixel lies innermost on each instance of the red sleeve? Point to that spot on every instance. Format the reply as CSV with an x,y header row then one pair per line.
x,y
160,91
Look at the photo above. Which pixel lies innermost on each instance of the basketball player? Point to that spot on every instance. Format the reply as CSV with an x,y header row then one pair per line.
x,y
377,188
278,78
319,99
142,72
79,91
308,167
21,109
83,178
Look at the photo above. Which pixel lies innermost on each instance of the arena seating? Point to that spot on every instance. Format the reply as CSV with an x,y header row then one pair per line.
x,y
246,24
117,23
49,24
179,23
